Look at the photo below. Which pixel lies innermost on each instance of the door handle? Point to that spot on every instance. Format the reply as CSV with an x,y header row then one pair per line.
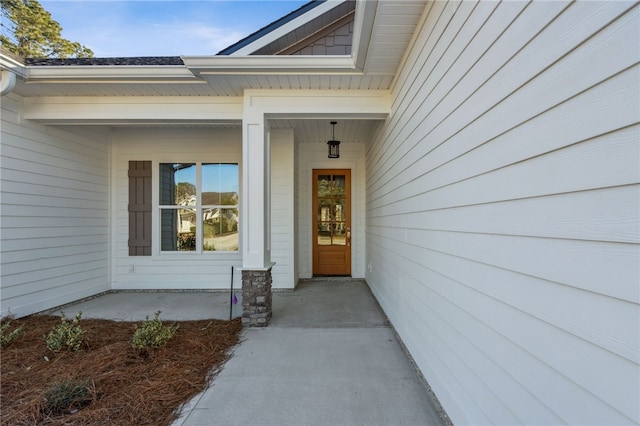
x,y
348,236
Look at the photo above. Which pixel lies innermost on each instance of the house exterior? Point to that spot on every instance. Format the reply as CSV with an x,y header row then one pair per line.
x,y
487,184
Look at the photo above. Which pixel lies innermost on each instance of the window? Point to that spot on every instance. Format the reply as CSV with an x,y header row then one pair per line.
x,y
198,205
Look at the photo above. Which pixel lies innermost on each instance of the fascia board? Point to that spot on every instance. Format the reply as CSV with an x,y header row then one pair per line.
x,y
363,23
259,65
287,28
112,74
9,64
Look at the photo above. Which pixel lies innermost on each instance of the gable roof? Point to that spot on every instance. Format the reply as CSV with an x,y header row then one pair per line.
x,y
270,27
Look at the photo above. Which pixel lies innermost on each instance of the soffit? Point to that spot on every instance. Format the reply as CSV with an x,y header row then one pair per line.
x,y
319,131
395,23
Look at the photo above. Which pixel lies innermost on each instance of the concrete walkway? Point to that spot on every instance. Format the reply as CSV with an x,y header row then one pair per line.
x,y
328,357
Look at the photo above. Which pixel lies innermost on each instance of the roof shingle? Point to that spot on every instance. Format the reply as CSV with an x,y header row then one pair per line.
x,y
136,61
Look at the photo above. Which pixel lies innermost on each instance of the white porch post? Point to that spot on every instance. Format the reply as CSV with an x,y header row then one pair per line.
x,y
255,193
255,219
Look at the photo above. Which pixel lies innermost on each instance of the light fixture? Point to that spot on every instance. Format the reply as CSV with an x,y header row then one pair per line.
x,y
334,145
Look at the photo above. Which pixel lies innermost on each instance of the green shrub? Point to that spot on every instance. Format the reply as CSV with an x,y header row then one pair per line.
x,y
6,337
68,335
152,334
66,395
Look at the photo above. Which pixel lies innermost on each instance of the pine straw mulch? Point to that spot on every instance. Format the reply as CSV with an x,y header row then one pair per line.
x,y
126,388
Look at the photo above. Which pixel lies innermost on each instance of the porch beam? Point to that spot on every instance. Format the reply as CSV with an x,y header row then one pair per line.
x,y
87,110
363,104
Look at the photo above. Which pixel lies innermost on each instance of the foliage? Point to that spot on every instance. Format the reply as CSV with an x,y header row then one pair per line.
x,y
152,334
29,31
65,395
7,338
186,241
68,335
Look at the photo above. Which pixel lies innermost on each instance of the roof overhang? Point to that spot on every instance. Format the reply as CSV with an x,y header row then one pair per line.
x,y
112,74
202,65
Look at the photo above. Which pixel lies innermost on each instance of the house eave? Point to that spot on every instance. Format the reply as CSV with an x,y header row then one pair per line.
x,y
112,73
202,65
11,64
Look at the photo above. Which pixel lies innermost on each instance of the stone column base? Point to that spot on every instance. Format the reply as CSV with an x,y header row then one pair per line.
x,y
256,298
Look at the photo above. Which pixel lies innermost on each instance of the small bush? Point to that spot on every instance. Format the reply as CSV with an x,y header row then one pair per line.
x,y
68,335
6,337
67,395
152,334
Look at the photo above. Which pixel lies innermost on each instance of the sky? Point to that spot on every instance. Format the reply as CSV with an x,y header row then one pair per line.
x,y
115,28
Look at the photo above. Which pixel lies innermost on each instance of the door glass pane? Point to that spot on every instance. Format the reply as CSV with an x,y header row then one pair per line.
x,y
324,210
324,186
339,210
339,234
324,233
338,185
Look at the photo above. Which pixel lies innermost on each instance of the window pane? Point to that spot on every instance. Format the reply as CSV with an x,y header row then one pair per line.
x,y
177,184
220,230
220,183
177,229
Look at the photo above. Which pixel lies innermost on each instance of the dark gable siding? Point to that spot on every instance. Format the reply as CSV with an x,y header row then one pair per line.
x,y
139,208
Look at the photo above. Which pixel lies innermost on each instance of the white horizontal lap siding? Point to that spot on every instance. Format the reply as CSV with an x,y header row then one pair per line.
x,y
282,223
503,206
168,271
54,214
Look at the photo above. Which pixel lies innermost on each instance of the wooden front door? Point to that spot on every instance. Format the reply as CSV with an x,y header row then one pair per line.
x,y
332,222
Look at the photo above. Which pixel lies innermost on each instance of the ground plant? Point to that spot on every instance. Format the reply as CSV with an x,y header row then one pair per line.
x,y
7,336
68,335
152,335
67,396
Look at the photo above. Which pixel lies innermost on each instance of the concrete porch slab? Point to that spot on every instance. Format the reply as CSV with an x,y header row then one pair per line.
x,y
137,305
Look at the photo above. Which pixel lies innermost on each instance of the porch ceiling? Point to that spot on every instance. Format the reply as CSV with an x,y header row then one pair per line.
x,y
319,130
373,69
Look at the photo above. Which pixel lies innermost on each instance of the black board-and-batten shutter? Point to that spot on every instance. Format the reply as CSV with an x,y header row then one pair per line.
x,y
139,208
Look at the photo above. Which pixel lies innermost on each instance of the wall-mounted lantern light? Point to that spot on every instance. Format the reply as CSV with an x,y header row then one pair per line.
x,y
334,145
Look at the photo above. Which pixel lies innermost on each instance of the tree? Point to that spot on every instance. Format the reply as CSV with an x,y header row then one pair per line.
x,y
29,31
